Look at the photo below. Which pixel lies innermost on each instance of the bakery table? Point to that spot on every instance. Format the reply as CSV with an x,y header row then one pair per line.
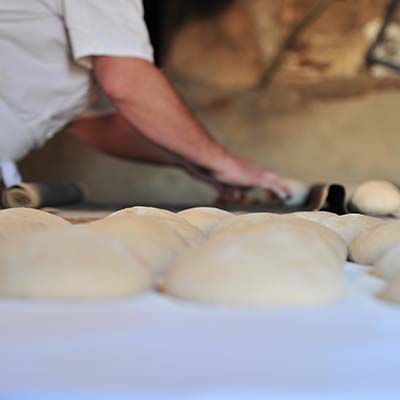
x,y
155,347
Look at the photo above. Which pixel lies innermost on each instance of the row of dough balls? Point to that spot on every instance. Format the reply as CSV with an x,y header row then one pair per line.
x,y
380,247
203,254
42,256
261,260
371,241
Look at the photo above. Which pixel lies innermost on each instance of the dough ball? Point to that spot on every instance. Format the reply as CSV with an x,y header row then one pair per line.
x,y
377,198
318,232
241,224
277,267
155,240
350,226
372,244
388,266
263,223
69,264
391,293
300,192
179,224
205,218
315,216
143,212
346,226
21,220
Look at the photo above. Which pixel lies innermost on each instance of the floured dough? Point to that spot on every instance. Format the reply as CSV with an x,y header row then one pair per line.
x,y
241,223
205,218
143,211
155,240
347,226
69,264
315,216
189,232
319,232
20,220
262,223
388,266
372,244
377,198
279,266
350,226
391,293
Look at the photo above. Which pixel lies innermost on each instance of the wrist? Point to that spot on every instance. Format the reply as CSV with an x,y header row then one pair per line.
x,y
221,161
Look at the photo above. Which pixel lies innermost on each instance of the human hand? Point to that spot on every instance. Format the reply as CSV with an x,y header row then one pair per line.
x,y
239,172
232,177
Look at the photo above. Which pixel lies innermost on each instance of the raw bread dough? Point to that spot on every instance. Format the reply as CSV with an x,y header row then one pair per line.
x,y
69,264
391,293
205,218
249,224
277,266
388,266
20,220
377,198
299,190
319,232
350,226
241,223
372,244
143,211
155,240
315,216
347,226
189,232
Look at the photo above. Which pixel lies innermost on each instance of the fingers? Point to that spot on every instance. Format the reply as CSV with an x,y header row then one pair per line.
x,y
276,185
265,180
242,174
231,195
202,175
256,176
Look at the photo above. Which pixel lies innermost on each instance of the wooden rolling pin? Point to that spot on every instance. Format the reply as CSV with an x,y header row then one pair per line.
x,y
38,195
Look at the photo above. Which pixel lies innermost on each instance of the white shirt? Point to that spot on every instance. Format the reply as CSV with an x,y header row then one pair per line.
x,y
46,46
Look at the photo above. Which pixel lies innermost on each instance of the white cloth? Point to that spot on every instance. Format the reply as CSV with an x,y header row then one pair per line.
x,y
10,174
157,348
46,46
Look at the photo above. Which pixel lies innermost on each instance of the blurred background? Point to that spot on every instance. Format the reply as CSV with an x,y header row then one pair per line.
x,y
282,82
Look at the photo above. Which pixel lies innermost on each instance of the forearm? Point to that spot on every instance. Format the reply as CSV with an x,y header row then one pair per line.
x,y
148,101
113,135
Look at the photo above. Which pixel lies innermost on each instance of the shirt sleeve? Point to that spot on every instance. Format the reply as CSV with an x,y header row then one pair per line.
x,y
109,28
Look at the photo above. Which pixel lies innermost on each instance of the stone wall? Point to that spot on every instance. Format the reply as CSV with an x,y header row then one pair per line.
x,y
233,49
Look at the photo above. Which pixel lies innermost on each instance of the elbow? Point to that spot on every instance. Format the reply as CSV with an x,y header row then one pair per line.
x,y
119,76
112,78
114,87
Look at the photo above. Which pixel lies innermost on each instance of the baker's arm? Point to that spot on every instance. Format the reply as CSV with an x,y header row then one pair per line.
x,y
142,94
